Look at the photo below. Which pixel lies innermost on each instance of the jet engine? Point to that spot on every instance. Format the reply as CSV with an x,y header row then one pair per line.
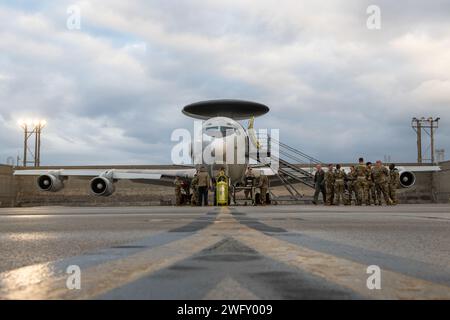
x,y
50,183
102,187
407,179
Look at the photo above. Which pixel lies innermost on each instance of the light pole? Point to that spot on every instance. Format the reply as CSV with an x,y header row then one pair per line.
x,y
30,128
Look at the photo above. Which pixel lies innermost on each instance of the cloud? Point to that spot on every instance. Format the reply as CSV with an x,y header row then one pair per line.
x,y
112,92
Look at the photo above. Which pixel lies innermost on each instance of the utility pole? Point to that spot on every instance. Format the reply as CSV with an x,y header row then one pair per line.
x,y
432,141
37,146
419,141
427,125
25,144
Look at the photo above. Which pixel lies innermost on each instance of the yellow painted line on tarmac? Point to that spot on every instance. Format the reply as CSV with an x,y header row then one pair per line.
x,y
346,273
38,282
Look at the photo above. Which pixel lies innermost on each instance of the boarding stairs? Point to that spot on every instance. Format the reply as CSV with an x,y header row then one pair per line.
x,y
294,166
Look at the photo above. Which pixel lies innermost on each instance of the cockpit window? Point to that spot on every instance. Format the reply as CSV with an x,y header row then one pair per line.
x,y
224,129
221,131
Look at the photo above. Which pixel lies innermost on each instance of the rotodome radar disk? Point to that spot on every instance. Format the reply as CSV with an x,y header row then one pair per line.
x,y
234,109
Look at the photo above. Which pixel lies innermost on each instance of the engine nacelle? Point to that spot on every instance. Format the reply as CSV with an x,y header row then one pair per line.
x,y
407,179
102,187
50,183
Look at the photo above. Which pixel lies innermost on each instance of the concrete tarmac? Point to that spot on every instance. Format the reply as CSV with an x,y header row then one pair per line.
x,y
273,252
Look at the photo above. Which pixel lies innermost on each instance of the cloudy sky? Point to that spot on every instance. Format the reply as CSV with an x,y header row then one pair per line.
x,y
112,91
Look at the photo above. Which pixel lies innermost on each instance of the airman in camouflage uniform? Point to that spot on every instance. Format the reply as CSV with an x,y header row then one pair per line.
x,y
351,178
178,186
194,186
381,176
394,179
360,183
319,185
339,184
329,185
369,190
249,182
204,183
264,188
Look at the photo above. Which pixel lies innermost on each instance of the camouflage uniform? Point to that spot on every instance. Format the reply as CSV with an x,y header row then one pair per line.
x,y
360,183
351,178
329,185
319,186
178,186
339,185
204,183
369,188
264,187
394,179
380,175
194,185
249,182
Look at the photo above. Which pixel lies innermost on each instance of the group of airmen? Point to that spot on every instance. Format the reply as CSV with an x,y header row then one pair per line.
x,y
262,182
365,184
202,183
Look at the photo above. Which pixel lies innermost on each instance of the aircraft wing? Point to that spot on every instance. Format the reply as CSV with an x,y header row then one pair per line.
x,y
419,168
399,168
268,171
116,174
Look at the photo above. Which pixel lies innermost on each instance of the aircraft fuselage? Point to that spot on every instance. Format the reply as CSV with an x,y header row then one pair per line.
x,y
225,143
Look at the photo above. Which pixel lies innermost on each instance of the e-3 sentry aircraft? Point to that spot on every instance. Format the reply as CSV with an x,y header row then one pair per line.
x,y
220,128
